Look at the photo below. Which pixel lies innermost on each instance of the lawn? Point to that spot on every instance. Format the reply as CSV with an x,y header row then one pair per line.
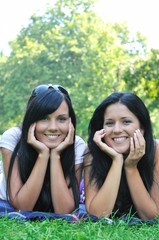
x,y
61,229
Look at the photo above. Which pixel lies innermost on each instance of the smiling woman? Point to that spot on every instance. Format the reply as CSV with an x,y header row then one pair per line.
x,y
44,155
120,125
53,128
122,163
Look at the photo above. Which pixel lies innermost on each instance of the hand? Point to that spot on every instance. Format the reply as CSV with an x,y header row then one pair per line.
x,y
67,141
103,146
137,149
37,145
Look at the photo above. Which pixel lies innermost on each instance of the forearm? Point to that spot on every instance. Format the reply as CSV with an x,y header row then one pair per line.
x,y
104,200
62,196
27,195
144,204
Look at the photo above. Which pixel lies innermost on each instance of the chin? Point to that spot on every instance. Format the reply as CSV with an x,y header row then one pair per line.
x,y
51,146
122,151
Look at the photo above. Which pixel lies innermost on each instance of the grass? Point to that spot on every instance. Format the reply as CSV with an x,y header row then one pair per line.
x,y
11,229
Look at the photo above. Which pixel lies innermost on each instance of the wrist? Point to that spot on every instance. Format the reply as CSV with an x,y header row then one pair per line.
x,y
130,168
118,161
55,155
44,155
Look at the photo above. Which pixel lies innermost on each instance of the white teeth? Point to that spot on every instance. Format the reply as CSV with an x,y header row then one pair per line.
x,y
52,136
119,139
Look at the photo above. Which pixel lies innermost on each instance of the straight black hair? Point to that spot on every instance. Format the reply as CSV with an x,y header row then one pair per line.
x,y
101,162
40,105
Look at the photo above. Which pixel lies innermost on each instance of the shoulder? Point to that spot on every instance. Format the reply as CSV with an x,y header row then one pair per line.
x,y
157,155
80,146
10,138
156,141
13,130
79,141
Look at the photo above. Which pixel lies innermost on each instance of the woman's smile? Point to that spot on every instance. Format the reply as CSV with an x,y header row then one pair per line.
x,y
119,124
52,137
53,129
120,140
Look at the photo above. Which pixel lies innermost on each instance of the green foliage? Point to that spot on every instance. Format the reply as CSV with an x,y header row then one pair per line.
x,y
143,79
70,45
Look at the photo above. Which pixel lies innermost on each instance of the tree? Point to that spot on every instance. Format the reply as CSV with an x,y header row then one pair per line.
x,y
68,45
143,79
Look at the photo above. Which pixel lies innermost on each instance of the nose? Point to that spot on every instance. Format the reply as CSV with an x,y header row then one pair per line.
x,y
117,128
52,125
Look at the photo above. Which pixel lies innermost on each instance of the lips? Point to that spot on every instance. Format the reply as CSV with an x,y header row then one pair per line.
x,y
120,139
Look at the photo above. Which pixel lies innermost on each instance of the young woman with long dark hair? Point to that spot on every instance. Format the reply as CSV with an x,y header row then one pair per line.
x,y
122,161
42,159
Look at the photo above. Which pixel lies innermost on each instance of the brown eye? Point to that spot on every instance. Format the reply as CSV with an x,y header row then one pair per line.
x,y
109,124
127,122
63,118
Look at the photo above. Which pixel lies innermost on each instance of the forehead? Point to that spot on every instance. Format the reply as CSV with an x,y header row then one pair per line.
x,y
63,108
118,110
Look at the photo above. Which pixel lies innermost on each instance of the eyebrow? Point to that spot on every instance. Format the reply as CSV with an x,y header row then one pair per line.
x,y
121,118
64,115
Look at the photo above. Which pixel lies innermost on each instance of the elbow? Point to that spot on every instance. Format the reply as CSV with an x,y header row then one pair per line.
x,y
149,215
20,207
91,211
65,209
98,212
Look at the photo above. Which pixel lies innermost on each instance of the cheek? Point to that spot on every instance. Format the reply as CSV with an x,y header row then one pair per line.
x,y
106,139
38,130
37,134
64,128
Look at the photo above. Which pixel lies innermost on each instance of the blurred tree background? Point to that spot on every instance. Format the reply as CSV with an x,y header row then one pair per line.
x,y
72,46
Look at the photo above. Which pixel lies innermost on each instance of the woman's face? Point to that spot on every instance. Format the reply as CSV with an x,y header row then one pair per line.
x,y
53,129
119,124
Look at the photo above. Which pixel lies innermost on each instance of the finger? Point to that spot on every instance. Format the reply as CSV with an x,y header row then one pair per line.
x,y
33,127
141,142
132,147
71,129
70,136
102,132
140,138
97,136
137,144
31,131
